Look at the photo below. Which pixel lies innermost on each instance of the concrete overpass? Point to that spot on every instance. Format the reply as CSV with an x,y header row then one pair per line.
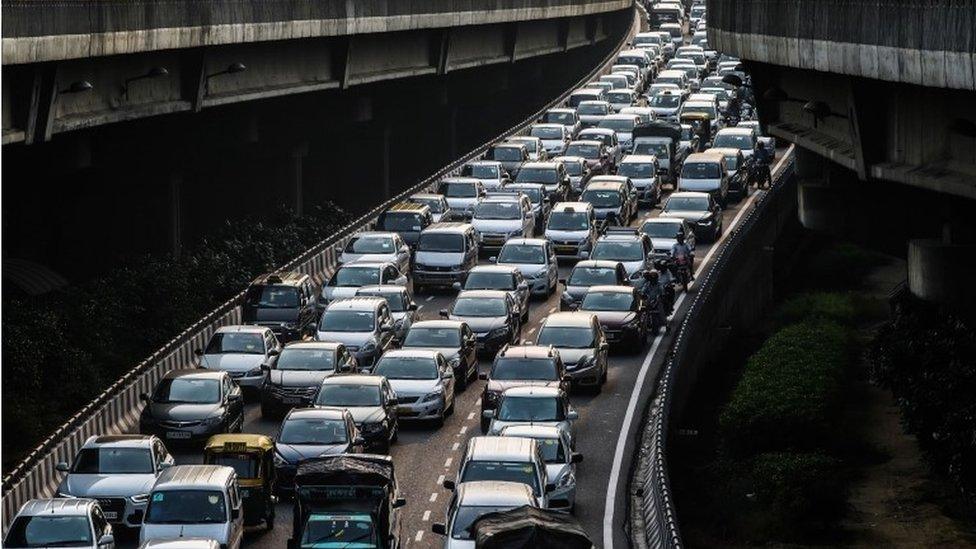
x,y
87,63
880,98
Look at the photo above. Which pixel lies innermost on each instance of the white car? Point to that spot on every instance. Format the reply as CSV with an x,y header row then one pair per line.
x,y
537,152
554,137
59,523
377,246
560,461
477,498
347,279
241,351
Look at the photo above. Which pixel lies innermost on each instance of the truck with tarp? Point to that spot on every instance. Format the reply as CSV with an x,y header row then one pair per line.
x,y
346,501
529,528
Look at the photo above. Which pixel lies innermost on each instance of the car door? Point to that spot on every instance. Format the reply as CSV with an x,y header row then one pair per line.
x,y
471,251
389,403
468,352
386,325
447,380
235,535
403,253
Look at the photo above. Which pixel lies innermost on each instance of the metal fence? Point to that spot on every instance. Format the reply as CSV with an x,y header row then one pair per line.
x,y
117,409
730,295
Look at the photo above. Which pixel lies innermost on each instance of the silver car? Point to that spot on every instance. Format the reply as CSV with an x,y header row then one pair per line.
x,y
241,351
554,137
60,523
533,405
462,194
642,169
537,152
572,229
403,309
363,324
560,461
503,278
490,172
423,382
500,217
492,315
535,259
474,499
663,232
377,247
119,472
348,279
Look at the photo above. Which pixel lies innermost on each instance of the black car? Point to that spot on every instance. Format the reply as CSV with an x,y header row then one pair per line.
x,y
453,339
622,314
407,219
190,406
521,365
297,374
308,433
372,403
283,302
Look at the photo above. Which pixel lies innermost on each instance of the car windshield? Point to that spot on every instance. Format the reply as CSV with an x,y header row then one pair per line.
x,y
506,154
573,168
584,150
666,101
537,175
658,149
618,251
536,369
592,276
337,531
465,517
458,190
636,170
293,358
567,337
479,307
187,391
481,171
403,367
701,170
346,395
346,321
546,132
186,507
647,39
50,531
632,60
530,408
313,430
661,230
248,343
602,199
522,253
393,221
395,300
593,109
618,125
620,97
565,118
733,141
505,471
498,210
440,242
602,136
246,466
481,280
435,204
109,461
534,193
272,297
354,277
608,301
433,337
731,163
686,204
372,244
569,221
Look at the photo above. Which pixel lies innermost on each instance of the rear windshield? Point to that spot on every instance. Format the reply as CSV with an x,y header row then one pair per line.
x,y
564,118
489,281
536,369
347,321
458,190
701,170
398,221
320,360
272,297
50,531
593,276
583,150
641,170
505,154
547,133
481,171
537,175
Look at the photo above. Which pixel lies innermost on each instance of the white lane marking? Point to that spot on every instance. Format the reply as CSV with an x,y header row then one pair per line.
x,y
455,446
440,480
553,309
433,497
430,298
426,516
420,535
464,429
420,307
531,330
478,402
471,415
618,455
447,462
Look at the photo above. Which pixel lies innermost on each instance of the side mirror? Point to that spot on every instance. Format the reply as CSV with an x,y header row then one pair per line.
x,y
265,367
165,465
438,528
399,502
274,352
400,280
572,415
488,414
550,487
448,484
562,281
483,375
235,395
444,313
584,254
456,285
62,466
604,346
107,539
576,458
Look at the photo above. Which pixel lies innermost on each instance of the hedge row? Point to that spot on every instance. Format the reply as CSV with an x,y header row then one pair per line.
x,y
61,349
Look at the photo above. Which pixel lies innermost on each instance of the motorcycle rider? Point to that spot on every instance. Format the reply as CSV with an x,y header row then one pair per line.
x,y
763,176
656,297
683,256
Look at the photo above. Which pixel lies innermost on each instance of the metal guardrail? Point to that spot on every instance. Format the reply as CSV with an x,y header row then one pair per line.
x,y
653,516
117,409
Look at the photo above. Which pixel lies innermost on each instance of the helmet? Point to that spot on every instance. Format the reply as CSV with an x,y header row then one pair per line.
x,y
652,276
680,237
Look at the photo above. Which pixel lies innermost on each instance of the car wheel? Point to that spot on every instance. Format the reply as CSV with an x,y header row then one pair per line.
x,y
439,422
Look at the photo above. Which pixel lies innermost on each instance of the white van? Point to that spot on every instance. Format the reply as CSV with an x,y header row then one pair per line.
x,y
195,501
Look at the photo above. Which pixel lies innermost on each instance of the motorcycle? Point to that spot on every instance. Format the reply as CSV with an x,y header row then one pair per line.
x,y
682,271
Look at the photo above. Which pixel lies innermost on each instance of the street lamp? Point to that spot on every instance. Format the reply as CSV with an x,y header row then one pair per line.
x,y
154,72
77,87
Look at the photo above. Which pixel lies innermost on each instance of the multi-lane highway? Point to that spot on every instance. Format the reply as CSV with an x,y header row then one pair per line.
x,y
425,455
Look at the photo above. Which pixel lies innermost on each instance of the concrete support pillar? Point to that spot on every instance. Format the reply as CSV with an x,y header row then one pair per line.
x,y
297,159
176,214
942,271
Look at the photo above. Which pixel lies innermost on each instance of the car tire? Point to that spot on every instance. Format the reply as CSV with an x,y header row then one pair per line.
x,y
439,421
485,424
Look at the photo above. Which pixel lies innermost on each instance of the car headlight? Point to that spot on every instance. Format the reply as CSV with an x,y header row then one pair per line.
x,y
432,397
139,498
568,479
253,372
279,461
211,421
497,332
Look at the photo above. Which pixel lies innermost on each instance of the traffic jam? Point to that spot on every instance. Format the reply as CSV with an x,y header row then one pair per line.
x,y
500,303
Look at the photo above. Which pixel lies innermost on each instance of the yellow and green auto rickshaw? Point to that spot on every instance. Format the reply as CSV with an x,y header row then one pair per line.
x,y
252,456
701,125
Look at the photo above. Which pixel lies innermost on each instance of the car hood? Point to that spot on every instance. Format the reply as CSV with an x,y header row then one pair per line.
x,y
591,119
356,339
448,352
182,411
461,204
528,270
614,319
642,182
566,235
298,378
576,292
84,486
497,225
553,144
414,387
439,259
572,356
174,531
685,214
663,243
366,414
496,386
481,324
293,453
232,362
348,257
497,425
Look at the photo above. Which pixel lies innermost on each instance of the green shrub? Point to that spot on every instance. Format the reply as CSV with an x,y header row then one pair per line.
x,y
797,492
830,306
787,394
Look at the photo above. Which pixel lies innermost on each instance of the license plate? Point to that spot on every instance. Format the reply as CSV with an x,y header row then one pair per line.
x,y
110,515
292,400
406,412
178,434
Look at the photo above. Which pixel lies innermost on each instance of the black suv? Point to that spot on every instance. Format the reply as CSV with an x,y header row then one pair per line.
x,y
283,302
517,366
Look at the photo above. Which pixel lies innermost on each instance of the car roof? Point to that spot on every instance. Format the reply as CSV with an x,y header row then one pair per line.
x,y
460,179
611,178
535,390
551,125
388,234
242,329
288,278
319,412
356,304
669,220
505,269
401,207
541,165
561,109
688,194
607,288
320,345
593,142
483,294
623,116
57,506
638,158
411,353
737,130
529,351
532,431
448,227
382,289
180,476
596,264
671,72
196,373
526,241
603,185
602,131
482,162
725,151
374,264
358,379
427,196
569,159
569,318
705,157
588,91
436,324
180,543
575,206
500,448
118,441
494,493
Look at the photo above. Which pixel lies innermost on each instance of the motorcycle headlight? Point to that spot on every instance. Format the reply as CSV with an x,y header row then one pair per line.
x,y
139,498
432,397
